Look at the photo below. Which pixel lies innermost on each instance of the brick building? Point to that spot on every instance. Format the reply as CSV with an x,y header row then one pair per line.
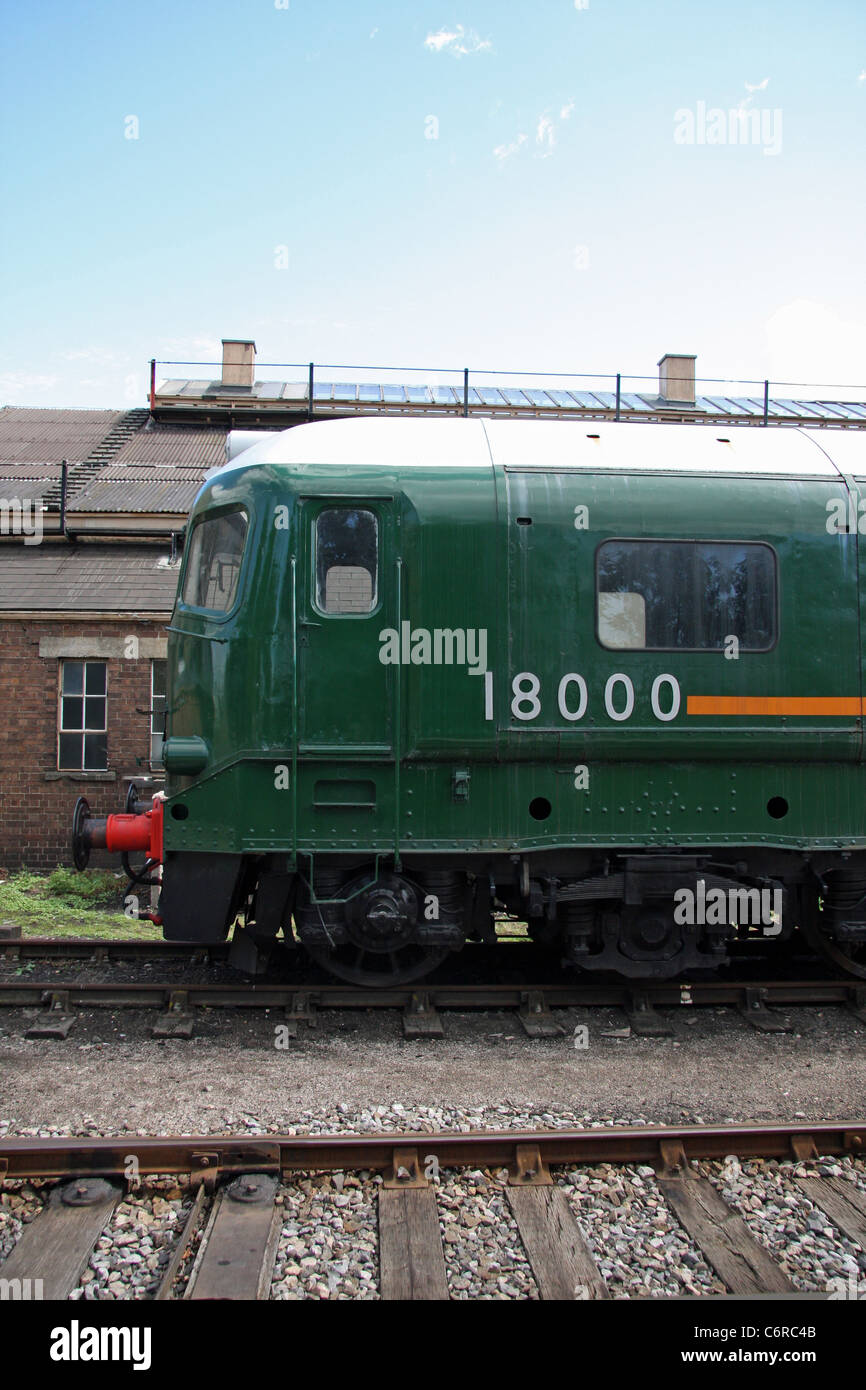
x,y
88,570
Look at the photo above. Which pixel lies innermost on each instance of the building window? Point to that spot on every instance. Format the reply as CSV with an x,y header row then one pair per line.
x,y
157,711
686,595
214,562
82,738
347,544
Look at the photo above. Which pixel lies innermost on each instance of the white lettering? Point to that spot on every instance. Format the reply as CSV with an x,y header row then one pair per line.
x,y
613,681
582,697
675,698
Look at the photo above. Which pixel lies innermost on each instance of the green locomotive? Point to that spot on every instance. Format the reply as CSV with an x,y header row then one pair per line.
x,y
608,677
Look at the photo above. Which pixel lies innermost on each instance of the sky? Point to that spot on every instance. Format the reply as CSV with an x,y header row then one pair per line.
x,y
562,186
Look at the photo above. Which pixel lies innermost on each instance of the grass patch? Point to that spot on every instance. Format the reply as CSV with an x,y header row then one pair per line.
x,y
66,903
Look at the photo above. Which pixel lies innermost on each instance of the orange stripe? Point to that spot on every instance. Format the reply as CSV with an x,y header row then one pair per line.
x,y
758,704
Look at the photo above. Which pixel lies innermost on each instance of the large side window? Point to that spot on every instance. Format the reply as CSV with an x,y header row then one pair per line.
x,y
347,551
82,740
659,595
213,566
157,710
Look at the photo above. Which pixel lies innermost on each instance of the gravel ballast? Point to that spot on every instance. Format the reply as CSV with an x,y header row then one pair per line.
x,y
355,1072
111,1070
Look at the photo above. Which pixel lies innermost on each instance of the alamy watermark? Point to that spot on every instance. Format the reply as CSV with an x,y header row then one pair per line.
x,y
738,126
21,1290
852,1288
715,907
21,517
846,516
439,646
77,1343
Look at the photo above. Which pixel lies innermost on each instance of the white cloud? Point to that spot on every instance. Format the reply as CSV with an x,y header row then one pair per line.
x,y
13,382
745,103
544,133
458,41
862,77
503,152
104,357
374,33
811,344
196,349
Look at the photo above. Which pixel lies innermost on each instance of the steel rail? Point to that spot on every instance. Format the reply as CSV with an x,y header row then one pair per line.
x,y
209,1156
155,994
115,948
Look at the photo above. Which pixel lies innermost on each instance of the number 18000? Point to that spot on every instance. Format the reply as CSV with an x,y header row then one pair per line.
x,y
572,697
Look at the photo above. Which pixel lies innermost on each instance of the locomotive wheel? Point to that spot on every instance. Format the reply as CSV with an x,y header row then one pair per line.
x,y
850,958
379,969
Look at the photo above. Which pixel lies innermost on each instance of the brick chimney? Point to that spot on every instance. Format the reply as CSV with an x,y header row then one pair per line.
x,y
677,378
239,362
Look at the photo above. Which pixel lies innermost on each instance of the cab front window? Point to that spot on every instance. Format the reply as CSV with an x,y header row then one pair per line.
x,y
214,561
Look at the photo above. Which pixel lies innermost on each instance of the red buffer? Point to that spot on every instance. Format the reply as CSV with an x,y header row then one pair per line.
x,y
119,833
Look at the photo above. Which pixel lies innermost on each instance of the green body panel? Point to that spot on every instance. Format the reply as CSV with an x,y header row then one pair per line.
x,y
239,809
315,745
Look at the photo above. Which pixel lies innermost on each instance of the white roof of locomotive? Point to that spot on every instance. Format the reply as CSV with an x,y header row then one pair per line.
x,y
549,445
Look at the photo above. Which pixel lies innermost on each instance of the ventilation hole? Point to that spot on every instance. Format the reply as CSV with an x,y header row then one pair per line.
x,y
719,440
777,807
540,808
524,521
593,436
179,811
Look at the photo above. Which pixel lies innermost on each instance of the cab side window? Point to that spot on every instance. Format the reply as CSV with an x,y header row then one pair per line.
x,y
347,554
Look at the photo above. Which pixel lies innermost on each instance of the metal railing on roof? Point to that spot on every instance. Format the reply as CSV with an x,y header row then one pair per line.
x,y
610,395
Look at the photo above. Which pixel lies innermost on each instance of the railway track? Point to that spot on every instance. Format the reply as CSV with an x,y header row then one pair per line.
x,y
245,1200
758,1001
301,992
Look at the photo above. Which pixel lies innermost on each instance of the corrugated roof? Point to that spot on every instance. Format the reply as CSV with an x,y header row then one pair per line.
x,y
46,472
87,578
24,490
174,445
23,481
48,436
135,490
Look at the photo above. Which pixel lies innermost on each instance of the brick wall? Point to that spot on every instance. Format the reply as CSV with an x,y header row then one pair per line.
x,y
348,589
36,800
